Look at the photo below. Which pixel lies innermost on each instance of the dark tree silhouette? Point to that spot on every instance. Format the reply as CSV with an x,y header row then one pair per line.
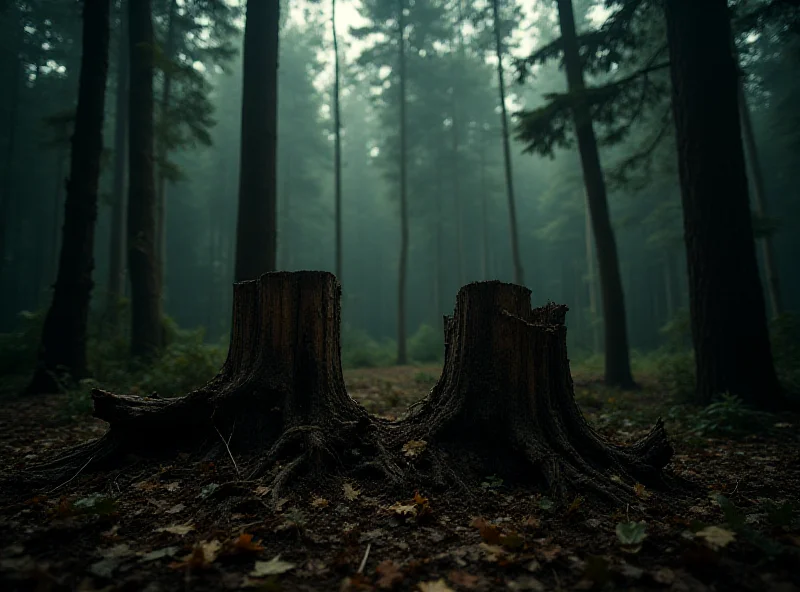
x,y
256,239
62,352
617,361
146,327
729,324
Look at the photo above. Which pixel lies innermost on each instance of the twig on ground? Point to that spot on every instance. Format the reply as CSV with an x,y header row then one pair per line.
x,y
233,460
74,476
364,561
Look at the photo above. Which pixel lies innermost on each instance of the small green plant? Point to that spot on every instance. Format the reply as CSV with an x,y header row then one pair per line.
x,y
728,416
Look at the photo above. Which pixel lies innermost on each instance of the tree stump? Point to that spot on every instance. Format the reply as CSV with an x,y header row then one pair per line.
x,y
279,395
505,405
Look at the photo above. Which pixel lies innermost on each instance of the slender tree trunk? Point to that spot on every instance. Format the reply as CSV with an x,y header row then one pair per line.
x,y
729,323
161,195
760,195
484,216
63,344
8,165
57,208
337,157
591,280
617,362
116,265
439,286
401,283
669,298
519,276
256,237
146,328
459,211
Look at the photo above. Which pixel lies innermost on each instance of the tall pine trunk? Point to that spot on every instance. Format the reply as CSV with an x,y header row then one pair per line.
x,y
519,276
256,237
402,357
8,157
337,158
146,328
728,317
617,361
63,344
116,250
760,199
163,149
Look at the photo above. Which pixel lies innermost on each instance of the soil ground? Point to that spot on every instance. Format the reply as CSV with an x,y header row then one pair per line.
x,y
189,525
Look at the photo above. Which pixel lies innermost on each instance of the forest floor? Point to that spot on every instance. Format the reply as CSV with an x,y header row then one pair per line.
x,y
193,526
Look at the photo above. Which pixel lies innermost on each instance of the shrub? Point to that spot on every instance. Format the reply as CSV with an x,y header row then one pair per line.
x,y
359,350
426,345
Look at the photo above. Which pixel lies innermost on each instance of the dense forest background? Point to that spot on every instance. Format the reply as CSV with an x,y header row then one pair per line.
x,y
458,215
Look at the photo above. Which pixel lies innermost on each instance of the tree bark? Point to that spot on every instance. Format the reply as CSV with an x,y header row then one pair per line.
x,y
617,361
62,351
519,276
8,164
116,250
337,156
256,236
591,280
505,405
402,356
146,327
729,324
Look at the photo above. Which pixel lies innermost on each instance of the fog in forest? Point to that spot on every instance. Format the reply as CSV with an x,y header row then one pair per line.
x,y
459,227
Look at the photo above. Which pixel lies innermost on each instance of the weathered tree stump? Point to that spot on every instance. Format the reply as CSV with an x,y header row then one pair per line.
x,y
280,394
505,405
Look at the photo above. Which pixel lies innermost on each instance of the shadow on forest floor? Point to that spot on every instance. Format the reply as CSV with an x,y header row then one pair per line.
x,y
187,525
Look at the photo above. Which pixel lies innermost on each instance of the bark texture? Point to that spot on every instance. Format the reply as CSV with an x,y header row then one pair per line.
x,y
505,405
728,318
146,328
256,232
280,393
62,351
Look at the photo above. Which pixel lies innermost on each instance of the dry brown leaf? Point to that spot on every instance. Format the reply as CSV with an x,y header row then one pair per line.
x,y
272,567
202,555
179,529
716,537
402,509
319,502
390,574
640,491
435,586
350,492
414,448
463,579
244,543
489,532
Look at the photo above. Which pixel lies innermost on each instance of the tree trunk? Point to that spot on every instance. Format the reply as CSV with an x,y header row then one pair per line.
x,y
519,276
116,265
591,281
163,149
62,352
484,216
52,271
8,165
146,328
505,405
617,362
729,324
402,357
280,392
760,195
337,157
256,237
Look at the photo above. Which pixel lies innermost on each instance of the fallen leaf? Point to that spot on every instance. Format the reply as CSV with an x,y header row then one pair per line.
x,y
350,492
208,490
435,586
319,502
261,490
488,531
664,576
640,491
402,509
244,543
203,554
414,448
176,508
179,529
159,554
716,537
575,505
532,522
174,486
549,554
463,579
389,573
546,503
512,540
104,568
272,567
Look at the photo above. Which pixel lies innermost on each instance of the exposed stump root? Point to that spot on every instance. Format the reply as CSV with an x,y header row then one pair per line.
x,y
505,406
280,396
